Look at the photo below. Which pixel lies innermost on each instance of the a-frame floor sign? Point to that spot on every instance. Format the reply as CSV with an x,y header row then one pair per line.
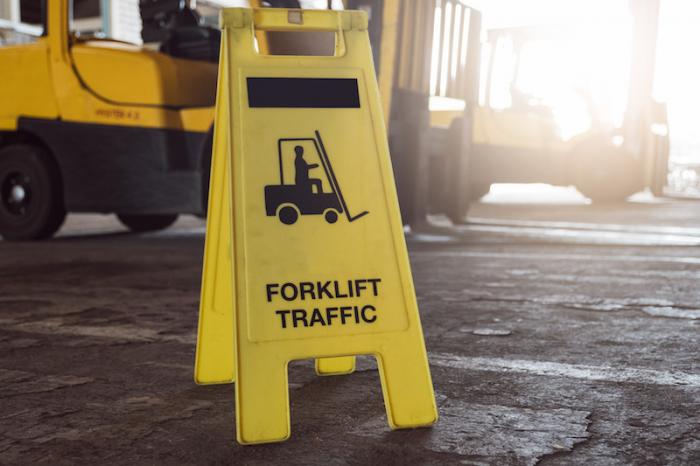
x,y
305,255
214,361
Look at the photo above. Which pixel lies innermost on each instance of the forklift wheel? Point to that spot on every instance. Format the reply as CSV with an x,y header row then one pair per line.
x,y
331,216
31,193
288,215
143,223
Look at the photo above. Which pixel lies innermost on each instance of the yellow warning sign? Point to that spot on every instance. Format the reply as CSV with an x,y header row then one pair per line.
x,y
214,362
317,266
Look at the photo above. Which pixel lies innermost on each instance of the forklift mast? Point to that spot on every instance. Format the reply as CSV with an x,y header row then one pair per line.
x,y
428,50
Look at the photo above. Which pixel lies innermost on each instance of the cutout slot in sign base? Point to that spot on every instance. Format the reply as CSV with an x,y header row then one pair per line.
x,y
305,255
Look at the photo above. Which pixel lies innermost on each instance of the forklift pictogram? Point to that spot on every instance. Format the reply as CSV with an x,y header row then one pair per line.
x,y
306,195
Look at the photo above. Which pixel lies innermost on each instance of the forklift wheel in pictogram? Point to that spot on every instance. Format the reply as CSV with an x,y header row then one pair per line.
x,y
288,214
331,216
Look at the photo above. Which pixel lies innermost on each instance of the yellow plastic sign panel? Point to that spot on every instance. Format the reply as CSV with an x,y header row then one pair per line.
x,y
214,361
321,267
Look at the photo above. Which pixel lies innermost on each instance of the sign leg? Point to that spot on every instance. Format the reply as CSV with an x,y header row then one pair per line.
x,y
262,400
407,387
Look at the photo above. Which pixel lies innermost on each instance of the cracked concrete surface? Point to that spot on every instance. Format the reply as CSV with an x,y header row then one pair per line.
x,y
546,345
516,434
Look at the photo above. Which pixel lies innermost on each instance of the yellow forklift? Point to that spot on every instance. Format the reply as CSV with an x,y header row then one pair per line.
x,y
89,124
526,132
451,138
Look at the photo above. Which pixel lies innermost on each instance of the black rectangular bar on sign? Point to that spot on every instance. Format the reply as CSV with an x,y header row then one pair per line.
x,y
303,93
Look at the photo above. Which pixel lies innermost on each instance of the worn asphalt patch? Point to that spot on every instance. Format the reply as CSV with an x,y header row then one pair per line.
x,y
496,434
574,371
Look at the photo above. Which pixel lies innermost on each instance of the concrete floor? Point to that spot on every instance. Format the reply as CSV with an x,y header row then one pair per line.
x,y
557,333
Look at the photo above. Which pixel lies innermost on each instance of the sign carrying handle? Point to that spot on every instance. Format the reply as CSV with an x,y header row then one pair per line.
x,y
276,19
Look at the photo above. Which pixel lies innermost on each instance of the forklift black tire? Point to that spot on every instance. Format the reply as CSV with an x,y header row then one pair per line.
x,y
288,215
478,190
331,216
606,194
31,193
140,223
605,173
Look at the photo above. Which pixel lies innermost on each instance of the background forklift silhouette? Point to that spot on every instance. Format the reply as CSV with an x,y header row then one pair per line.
x,y
288,201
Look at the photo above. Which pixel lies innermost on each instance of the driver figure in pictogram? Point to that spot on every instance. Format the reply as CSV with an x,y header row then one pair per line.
x,y
302,170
